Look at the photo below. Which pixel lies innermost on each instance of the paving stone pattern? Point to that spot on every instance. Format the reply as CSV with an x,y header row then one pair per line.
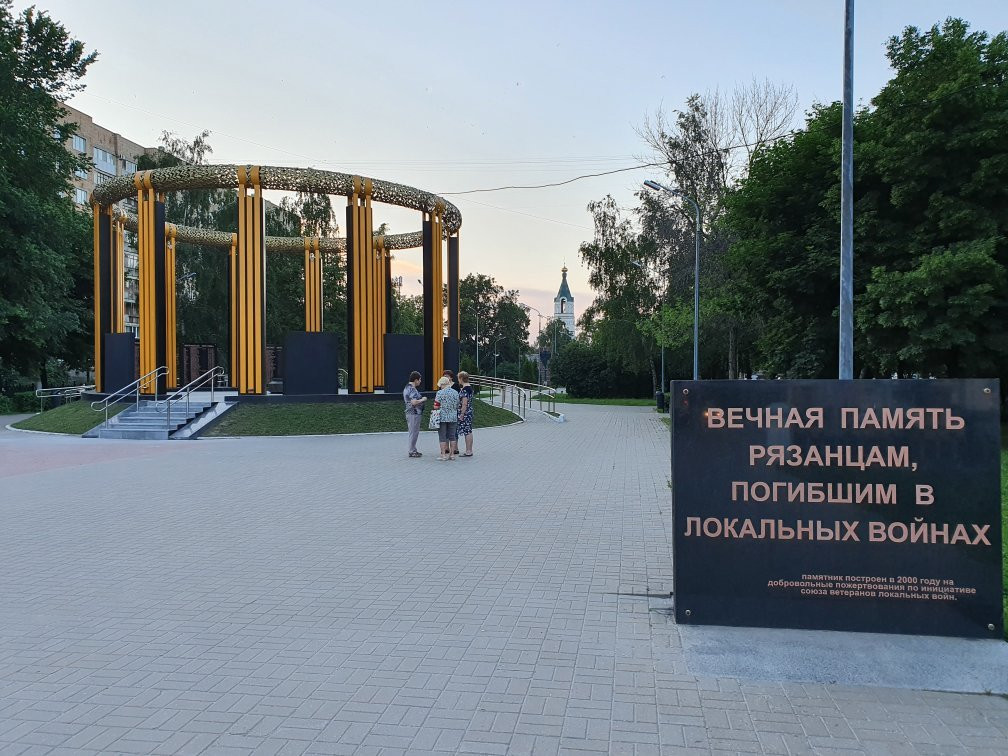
x,y
329,595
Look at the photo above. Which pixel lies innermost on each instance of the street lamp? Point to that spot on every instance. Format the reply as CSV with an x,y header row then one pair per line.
x,y
675,192
527,308
475,310
496,355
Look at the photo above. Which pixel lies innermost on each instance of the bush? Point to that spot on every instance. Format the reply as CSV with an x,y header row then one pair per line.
x,y
11,380
586,373
56,373
6,405
25,401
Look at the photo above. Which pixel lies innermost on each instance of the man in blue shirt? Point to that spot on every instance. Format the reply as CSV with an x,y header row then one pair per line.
x,y
414,402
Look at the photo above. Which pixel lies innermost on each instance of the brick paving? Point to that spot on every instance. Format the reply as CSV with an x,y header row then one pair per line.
x,y
329,595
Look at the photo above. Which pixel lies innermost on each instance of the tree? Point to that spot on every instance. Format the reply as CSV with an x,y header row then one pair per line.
x,y
709,148
931,282
628,291
554,336
45,270
408,314
501,320
202,305
936,230
583,369
784,257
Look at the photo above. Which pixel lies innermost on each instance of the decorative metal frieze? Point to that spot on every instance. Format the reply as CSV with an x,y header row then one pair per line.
x,y
206,237
195,177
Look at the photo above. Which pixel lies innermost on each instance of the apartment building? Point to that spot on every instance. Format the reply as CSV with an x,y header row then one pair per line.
x,y
112,155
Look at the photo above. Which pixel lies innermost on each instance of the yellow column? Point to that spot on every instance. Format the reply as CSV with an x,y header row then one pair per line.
x,y
318,283
381,328
171,319
362,266
251,263
313,285
118,272
233,310
437,221
145,253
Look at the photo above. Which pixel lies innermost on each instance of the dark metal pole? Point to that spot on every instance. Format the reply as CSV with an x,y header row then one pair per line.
x,y
847,203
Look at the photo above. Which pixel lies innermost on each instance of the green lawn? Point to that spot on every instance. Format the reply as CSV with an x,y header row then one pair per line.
x,y
565,399
75,418
334,417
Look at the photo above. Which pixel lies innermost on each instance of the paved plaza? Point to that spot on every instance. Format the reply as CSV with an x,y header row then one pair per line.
x,y
327,595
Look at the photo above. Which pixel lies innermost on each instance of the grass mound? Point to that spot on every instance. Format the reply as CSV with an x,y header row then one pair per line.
x,y
335,417
74,418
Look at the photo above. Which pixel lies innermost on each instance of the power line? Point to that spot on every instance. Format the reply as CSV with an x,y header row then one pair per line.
x,y
529,215
557,183
663,163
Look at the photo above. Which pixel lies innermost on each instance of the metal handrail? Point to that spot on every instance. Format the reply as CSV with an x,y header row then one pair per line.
x,y
186,391
61,391
525,391
126,390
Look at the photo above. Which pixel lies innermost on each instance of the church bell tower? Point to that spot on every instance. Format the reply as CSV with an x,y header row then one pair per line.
x,y
563,304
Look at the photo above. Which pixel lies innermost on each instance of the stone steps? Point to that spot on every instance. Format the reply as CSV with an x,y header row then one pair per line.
x,y
149,422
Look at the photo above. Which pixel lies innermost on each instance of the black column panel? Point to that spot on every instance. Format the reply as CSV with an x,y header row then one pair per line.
x,y
311,363
430,300
389,298
451,355
106,306
453,291
119,364
404,353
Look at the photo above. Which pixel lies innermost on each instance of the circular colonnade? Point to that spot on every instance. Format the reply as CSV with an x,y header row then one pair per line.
x,y
369,295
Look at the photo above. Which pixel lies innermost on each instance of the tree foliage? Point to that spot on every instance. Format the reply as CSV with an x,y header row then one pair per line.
x,y
931,160
202,303
502,321
930,237
45,270
554,336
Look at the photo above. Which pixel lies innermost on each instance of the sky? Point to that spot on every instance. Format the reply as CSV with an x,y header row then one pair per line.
x,y
456,96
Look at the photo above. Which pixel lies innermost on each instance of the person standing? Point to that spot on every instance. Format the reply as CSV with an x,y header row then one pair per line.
x,y
465,428
447,399
414,402
455,384
457,388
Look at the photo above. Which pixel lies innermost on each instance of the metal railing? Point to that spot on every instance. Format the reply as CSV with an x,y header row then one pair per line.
x,y
522,393
66,393
132,388
186,392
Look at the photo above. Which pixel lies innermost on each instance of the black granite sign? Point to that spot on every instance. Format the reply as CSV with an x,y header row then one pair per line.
x,y
838,505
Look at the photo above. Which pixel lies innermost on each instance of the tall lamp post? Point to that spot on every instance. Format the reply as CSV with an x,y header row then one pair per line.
x,y
846,357
527,308
676,192
496,355
476,315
